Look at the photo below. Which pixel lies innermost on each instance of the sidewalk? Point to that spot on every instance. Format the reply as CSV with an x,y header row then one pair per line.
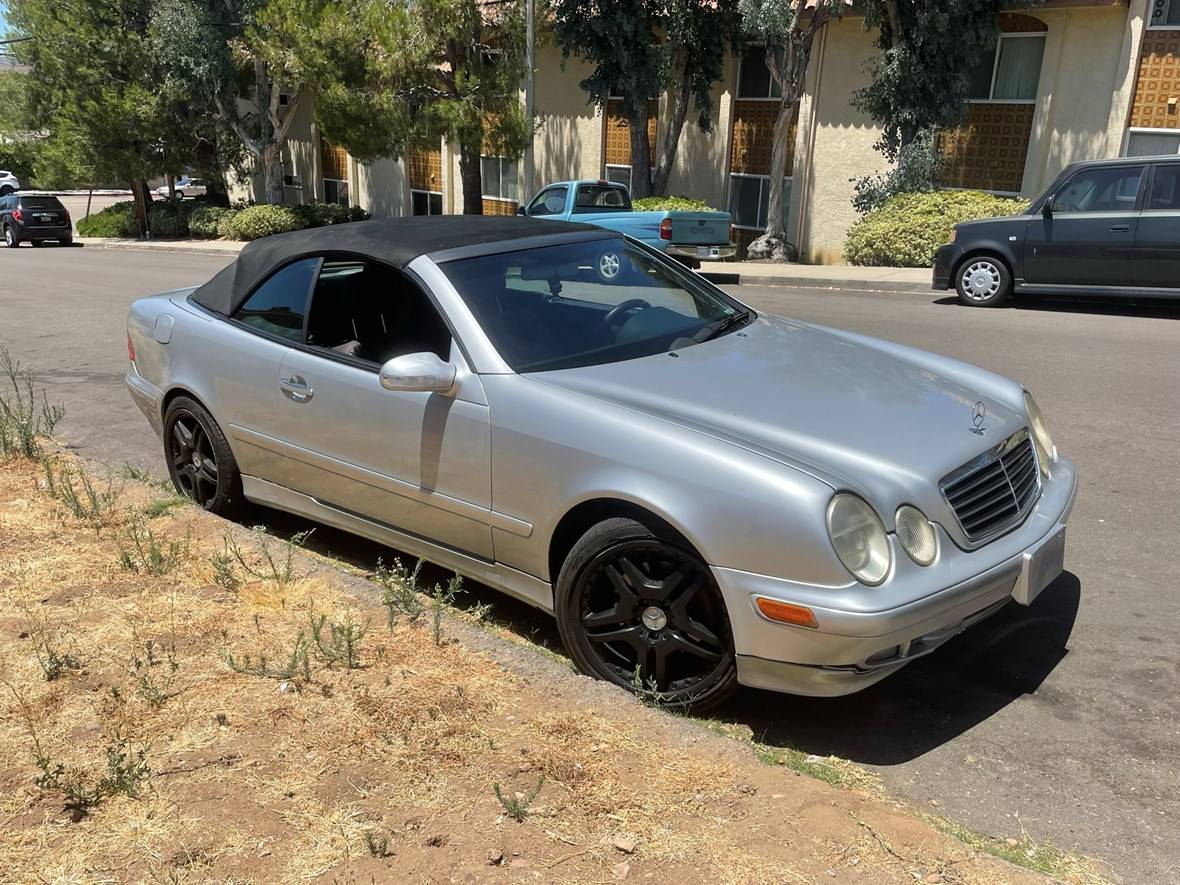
x,y
199,247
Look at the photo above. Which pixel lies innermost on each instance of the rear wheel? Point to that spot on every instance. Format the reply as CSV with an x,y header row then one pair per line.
x,y
11,238
643,611
200,462
983,281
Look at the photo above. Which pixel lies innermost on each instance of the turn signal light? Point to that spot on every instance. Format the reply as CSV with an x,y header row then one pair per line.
x,y
787,613
666,229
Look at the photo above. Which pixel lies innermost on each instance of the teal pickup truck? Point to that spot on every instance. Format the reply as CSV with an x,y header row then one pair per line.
x,y
691,237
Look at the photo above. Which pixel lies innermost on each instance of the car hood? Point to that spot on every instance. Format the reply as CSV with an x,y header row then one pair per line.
x,y
840,407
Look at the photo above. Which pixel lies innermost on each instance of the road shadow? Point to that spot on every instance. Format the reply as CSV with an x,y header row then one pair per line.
x,y
934,699
1148,308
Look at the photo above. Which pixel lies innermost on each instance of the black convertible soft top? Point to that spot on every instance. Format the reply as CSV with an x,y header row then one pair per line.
x,y
394,241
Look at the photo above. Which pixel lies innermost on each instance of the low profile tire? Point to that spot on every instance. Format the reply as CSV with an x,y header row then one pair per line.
x,y
11,238
66,241
200,462
609,265
983,281
628,598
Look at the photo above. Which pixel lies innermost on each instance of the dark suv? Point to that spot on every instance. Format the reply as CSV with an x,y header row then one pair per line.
x,y
34,217
1109,227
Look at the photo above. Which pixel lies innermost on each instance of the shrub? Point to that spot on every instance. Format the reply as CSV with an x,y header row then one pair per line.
x,y
169,218
906,229
225,223
917,168
116,220
204,221
320,214
254,222
671,204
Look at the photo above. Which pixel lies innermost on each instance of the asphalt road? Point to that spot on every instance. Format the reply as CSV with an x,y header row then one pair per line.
x,y
1059,721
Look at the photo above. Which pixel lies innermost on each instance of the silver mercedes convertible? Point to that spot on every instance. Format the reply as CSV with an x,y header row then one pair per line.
x,y
703,495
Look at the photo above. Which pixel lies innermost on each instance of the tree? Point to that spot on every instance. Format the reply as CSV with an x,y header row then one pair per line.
x,y
393,76
639,50
788,29
233,72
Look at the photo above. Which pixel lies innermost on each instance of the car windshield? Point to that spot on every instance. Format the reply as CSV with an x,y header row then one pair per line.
x,y
588,303
50,203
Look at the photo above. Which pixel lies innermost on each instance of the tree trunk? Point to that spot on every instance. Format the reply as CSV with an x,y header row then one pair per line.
x,y
675,124
139,192
171,186
272,172
773,243
640,150
472,178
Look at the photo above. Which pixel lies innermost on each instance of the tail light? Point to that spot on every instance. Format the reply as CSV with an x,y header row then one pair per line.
x,y
666,229
18,215
130,348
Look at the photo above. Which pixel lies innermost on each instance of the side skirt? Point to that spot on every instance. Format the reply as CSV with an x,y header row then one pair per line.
x,y
1117,291
515,583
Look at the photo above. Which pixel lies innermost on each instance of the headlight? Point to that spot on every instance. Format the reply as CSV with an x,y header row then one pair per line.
x,y
859,537
1046,451
916,535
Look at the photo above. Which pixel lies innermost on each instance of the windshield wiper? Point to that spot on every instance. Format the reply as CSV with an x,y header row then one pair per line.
x,y
720,327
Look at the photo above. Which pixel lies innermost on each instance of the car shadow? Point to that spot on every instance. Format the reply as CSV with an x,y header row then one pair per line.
x,y
931,701
1148,308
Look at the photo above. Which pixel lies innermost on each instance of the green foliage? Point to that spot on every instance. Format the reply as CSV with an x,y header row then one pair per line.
x,y
203,221
671,204
318,214
126,770
906,230
154,674
21,156
917,168
440,598
78,492
341,643
274,568
296,668
255,222
517,805
399,590
144,553
225,223
116,220
170,218
25,417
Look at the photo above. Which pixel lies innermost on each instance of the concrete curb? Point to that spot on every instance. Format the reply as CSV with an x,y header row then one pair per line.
x,y
816,283
188,247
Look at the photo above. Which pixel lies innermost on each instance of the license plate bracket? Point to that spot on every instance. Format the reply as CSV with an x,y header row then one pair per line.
x,y
1040,568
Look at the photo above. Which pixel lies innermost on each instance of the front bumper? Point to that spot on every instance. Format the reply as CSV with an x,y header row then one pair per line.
x,y
855,646
702,253
945,260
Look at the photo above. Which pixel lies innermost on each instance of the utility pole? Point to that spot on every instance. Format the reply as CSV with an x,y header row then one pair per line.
x,y
529,99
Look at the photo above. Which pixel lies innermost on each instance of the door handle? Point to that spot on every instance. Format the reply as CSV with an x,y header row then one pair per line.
x,y
1121,228
296,389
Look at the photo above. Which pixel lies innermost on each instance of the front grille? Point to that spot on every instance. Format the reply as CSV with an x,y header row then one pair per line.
x,y
996,490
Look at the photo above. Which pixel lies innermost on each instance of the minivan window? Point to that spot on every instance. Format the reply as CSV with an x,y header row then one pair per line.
x,y
1165,189
1101,189
277,306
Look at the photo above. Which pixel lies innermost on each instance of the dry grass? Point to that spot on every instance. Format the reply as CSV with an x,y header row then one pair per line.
x,y
350,765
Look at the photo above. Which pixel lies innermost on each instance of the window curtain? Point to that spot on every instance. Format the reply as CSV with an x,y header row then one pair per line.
x,y
1019,71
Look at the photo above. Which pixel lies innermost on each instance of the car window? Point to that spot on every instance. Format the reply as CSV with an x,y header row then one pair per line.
x,y
5,203
588,303
1101,189
51,203
370,312
550,201
601,198
1165,188
278,305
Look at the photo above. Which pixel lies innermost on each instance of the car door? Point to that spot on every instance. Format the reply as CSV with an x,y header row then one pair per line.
x,y
1087,237
417,461
1157,236
245,355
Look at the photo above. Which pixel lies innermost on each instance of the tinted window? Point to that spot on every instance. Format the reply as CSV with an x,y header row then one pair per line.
x,y
550,201
1165,189
1102,189
51,203
370,312
589,303
754,80
601,198
277,306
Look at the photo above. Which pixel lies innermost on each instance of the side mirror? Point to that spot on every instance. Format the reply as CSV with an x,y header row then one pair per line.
x,y
520,210
418,371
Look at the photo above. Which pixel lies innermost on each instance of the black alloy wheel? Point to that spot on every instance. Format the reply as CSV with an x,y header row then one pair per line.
x,y
200,462
645,613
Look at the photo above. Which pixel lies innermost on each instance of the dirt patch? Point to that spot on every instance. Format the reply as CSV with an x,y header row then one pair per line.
x,y
167,713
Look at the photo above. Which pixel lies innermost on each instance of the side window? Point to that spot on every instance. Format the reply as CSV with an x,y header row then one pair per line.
x,y
370,312
550,201
278,305
1101,189
1165,189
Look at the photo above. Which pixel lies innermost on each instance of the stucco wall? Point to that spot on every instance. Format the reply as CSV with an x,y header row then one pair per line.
x,y
300,157
380,187
702,158
568,142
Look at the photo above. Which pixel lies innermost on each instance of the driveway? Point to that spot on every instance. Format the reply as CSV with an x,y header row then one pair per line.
x,y
1059,720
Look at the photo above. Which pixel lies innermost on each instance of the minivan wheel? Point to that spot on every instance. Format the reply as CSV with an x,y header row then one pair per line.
x,y
200,462
983,281
643,611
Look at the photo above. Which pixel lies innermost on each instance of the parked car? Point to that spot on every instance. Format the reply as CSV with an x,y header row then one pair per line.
x,y
8,183
185,187
703,495
36,218
1108,227
691,237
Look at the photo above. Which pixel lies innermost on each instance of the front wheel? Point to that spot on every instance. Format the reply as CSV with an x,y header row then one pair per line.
x,y
644,612
983,281
200,462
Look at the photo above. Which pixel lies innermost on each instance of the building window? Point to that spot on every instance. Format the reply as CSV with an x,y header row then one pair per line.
x,y
1165,13
1012,73
293,181
336,191
426,203
749,200
754,80
499,178
619,175
1148,143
